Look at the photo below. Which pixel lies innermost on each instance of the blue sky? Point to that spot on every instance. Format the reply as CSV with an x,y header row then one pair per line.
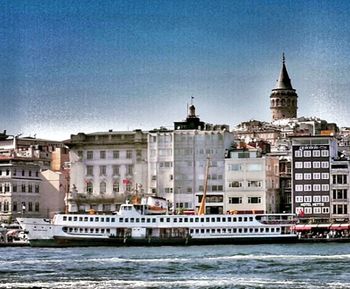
x,y
70,66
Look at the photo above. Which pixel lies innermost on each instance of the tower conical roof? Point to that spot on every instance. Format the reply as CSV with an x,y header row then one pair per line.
x,y
283,81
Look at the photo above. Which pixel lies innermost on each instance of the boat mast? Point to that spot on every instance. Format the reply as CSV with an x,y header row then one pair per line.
x,y
201,210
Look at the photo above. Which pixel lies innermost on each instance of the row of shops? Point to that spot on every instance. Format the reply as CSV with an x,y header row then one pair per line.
x,y
326,231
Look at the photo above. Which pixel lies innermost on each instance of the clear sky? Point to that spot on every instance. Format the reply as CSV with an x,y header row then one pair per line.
x,y
71,66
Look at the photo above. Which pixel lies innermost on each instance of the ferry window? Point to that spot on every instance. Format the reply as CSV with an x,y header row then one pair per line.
x,y
180,220
234,230
96,219
64,218
207,220
126,220
161,220
219,230
229,219
137,220
251,219
197,231
102,219
191,231
250,230
240,230
91,230
113,220
86,219
191,220
267,230
202,231
154,220
75,229
69,218
218,219
261,230
80,219
224,230
272,230
121,220
175,220
75,219
70,229
81,230
97,230
186,220
142,220
64,229
229,230
213,219
256,230
102,231
91,219
213,230
245,219
196,220
223,220
108,230
207,230
239,219
245,230
277,229
132,220
107,220
202,220
168,220
148,220
86,230
234,220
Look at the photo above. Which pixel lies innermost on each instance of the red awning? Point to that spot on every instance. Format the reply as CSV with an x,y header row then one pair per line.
x,y
302,228
340,227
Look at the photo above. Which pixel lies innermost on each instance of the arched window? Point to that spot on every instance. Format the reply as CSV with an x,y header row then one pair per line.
x,y
277,102
283,102
89,187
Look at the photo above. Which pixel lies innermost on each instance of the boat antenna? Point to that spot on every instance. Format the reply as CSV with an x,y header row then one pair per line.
x,y
201,210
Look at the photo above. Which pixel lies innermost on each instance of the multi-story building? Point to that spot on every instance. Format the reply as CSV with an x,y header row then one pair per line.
x,y
340,184
251,181
106,168
311,159
22,161
178,159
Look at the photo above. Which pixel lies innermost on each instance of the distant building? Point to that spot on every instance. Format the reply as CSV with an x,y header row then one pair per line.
x,y
251,181
106,168
283,98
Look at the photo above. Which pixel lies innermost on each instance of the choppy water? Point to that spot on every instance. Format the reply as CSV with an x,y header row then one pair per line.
x,y
254,266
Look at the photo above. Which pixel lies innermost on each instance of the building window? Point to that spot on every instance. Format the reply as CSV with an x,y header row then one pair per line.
x,y
325,199
307,188
168,190
340,194
307,153
116,154
325,187
129,154
130,169
30,173
235,184
316,176
254,184
317,210
37,173
102,155
102,170
23,173
307,165
235,200
315,153
298,188
340,179
23,188
115,170
89,187
116,187
316,165
298,176
89,170
307,176
234,167
254,200
14,172
298,165
102,187
325,210
89,155
30,188
37,188
307,199
325,153
325,176
30,207
14,206
37,207
316,187
80,154
325,165
316,199
298,199
14,188
298,154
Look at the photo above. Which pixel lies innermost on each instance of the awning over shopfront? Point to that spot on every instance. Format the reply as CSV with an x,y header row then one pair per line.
x,y
339,227
300,228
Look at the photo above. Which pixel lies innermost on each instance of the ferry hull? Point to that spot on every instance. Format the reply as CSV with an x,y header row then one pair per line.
x,y
119,242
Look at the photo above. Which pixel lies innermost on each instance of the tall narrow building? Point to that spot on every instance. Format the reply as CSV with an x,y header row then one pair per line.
x,y
283,97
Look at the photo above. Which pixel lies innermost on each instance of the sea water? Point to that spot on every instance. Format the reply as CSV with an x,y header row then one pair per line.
x,y
228,266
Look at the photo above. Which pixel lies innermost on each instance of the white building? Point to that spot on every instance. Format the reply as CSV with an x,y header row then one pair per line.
x,y
251,182
106,169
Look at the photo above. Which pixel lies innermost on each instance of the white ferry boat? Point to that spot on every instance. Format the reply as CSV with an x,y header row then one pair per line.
x,y
131,226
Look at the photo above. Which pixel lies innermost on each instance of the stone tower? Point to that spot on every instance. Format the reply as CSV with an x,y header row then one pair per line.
x,y
283,97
